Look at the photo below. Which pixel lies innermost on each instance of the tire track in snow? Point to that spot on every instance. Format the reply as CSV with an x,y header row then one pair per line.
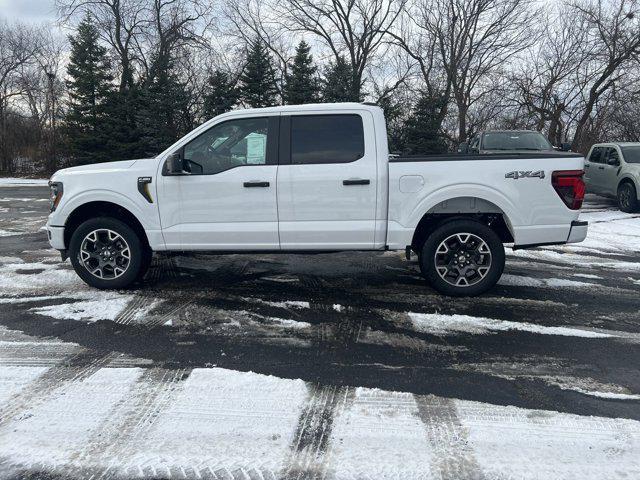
x,y
75,369
162,267
453,456
310,449
152,394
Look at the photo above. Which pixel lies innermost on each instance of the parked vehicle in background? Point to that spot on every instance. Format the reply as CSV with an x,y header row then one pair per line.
x,y
314,178
509,141
613,170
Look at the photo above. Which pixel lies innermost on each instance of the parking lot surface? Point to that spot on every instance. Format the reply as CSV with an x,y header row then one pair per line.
x,y
337,366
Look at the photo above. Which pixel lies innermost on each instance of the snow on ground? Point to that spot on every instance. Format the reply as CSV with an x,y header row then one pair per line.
x,y
438,324
53,431
510,442
21,182
106,307
127,422
14,379
522,281
552,371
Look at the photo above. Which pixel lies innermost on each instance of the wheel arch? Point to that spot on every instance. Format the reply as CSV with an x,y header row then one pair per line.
x,y
628,179
463,207
102,208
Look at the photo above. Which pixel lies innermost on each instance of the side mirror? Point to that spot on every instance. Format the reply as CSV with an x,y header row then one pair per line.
x,y
463,147
613,162
174,164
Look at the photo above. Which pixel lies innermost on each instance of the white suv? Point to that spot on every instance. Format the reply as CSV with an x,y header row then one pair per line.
x,y
613,169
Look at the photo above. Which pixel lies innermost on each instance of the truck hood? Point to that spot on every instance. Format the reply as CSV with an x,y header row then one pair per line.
x,y
105,167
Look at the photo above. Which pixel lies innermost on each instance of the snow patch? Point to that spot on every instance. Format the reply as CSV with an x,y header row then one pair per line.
x,y
287,323
283,304
438,324
13,182
106,307
522,281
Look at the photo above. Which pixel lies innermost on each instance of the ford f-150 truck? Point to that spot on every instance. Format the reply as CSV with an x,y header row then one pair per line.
x,y
313,178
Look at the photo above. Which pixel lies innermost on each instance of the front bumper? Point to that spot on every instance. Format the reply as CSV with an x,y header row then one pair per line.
x,y
578,231
56,237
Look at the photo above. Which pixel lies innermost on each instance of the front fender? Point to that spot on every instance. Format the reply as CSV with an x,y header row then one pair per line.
x,y
60,216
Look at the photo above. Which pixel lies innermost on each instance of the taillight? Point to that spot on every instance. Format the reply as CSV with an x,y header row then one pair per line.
x,y
569,186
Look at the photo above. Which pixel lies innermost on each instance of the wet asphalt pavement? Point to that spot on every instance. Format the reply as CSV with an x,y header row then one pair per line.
x,y
336,321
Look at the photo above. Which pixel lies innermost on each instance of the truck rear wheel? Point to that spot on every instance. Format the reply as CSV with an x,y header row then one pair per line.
x,y
106,253
462,258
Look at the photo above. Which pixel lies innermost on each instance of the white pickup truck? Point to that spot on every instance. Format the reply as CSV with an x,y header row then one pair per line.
x,y
313,178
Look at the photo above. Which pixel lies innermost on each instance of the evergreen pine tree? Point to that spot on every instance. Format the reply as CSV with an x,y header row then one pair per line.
x,y
164,104
393,114
221,95
258,81
89,86
301,85
422,130
338,84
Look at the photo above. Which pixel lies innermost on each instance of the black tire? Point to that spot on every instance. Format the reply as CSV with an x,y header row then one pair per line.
x,y
135,247
147,257
491,266
628,198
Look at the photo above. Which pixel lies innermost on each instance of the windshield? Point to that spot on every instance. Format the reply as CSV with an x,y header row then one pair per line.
x,y
631,154
515,141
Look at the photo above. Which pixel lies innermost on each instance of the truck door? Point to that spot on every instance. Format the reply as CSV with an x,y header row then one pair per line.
x,y
594,167
609,175
228,201
327,181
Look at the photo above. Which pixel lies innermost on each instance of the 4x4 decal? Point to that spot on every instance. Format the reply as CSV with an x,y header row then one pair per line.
x,y
528,174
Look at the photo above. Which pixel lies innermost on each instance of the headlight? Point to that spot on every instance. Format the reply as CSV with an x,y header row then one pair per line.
x,y
55,194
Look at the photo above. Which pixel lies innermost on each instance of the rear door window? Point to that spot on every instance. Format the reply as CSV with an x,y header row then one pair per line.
x,y
612,155
326,138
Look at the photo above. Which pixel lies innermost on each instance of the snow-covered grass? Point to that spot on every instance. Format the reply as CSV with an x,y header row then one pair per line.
x,y
18,182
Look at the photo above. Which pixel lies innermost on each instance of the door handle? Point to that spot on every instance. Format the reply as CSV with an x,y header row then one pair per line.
x,y
356,181
600,168
255,184
587,165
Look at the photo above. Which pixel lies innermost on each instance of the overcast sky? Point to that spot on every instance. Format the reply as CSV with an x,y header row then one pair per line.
x,y
28,11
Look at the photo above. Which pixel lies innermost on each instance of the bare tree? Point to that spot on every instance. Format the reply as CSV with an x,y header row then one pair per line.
x,y
613,42
351,29
546,86
462,42
251,19
19,46
120,23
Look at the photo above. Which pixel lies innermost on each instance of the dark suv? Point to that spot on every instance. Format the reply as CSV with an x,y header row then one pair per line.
x,y
509,141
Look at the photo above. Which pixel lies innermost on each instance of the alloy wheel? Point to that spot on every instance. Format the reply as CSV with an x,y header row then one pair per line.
x,y
463,259
105,254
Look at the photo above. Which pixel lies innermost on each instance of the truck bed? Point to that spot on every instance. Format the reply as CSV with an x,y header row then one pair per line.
x,y
516,186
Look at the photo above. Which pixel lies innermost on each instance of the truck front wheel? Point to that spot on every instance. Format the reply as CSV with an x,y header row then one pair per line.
x,y
462,258
106,253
